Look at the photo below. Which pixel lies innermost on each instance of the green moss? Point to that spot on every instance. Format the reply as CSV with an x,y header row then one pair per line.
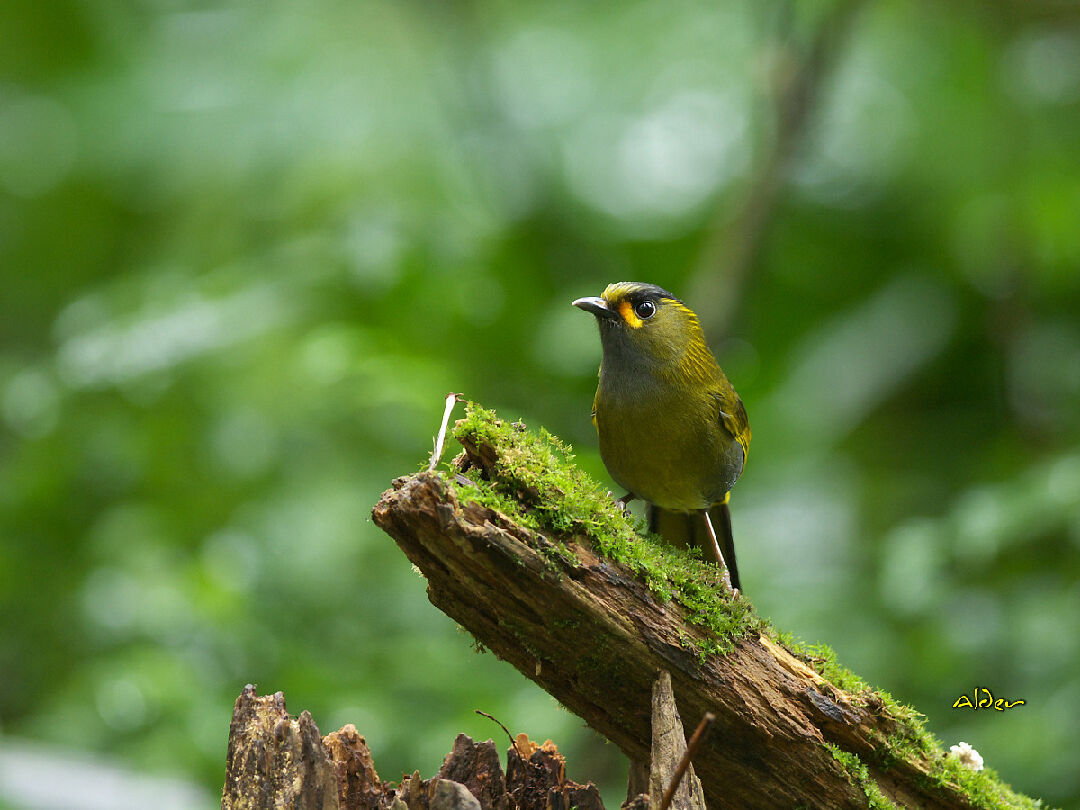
x,y
478,646
532,479
493,499
911,741
566,623
600,667
983,788
859,775
823,660
912,735
523,636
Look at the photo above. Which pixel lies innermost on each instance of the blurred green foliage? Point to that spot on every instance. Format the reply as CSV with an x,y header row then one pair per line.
x,y
247,248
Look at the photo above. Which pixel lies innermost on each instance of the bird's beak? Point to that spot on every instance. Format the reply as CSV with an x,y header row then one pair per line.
x,y
597,306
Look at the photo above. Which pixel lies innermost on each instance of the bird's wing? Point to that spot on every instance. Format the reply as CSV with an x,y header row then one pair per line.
x,y
733,416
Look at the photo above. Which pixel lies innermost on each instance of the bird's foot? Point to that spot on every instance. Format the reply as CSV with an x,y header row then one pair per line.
x,y
623,501
725,580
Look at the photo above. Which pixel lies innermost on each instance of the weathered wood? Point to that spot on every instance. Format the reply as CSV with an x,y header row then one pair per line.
x,y
359,786
275,760
536,779
476,765
594,637
668,748
637,781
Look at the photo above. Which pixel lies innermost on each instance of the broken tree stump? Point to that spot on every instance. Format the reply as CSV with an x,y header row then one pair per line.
x,y
668,750
276,760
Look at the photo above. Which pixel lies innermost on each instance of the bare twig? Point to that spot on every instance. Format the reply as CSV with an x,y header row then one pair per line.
x,y
496,720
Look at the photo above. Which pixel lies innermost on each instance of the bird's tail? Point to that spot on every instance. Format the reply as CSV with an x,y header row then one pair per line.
x,y
686,529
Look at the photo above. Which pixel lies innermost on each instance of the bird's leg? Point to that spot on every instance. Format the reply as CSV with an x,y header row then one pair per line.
x,y
624,500
716,547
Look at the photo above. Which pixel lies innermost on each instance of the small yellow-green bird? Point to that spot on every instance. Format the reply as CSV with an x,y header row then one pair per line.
x,y
672,430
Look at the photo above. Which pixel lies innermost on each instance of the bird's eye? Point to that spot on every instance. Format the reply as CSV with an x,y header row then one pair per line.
x,y
645,310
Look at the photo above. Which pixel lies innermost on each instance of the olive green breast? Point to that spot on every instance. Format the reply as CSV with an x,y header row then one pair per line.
x,y
665,443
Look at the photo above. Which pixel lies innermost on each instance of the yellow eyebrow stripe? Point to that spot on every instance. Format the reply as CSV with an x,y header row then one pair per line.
x,y
626,309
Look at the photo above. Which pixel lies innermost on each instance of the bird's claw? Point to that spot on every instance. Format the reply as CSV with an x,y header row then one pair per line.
x,y
723,578
622,502
726,580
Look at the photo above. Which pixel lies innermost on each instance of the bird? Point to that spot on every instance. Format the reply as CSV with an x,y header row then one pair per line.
x,y
671,428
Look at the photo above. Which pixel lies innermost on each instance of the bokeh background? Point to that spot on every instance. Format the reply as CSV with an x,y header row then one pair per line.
x,y
247,248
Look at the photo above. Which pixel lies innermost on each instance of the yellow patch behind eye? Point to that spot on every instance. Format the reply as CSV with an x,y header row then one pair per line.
x,y
626,309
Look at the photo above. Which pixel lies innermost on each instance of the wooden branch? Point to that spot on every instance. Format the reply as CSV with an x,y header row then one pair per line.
x,y
734,242
594,636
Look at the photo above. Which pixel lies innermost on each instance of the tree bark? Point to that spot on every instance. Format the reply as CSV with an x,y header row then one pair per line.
x,y
275,760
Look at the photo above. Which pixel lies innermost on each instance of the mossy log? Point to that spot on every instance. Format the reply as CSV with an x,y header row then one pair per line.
x,y
593,632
